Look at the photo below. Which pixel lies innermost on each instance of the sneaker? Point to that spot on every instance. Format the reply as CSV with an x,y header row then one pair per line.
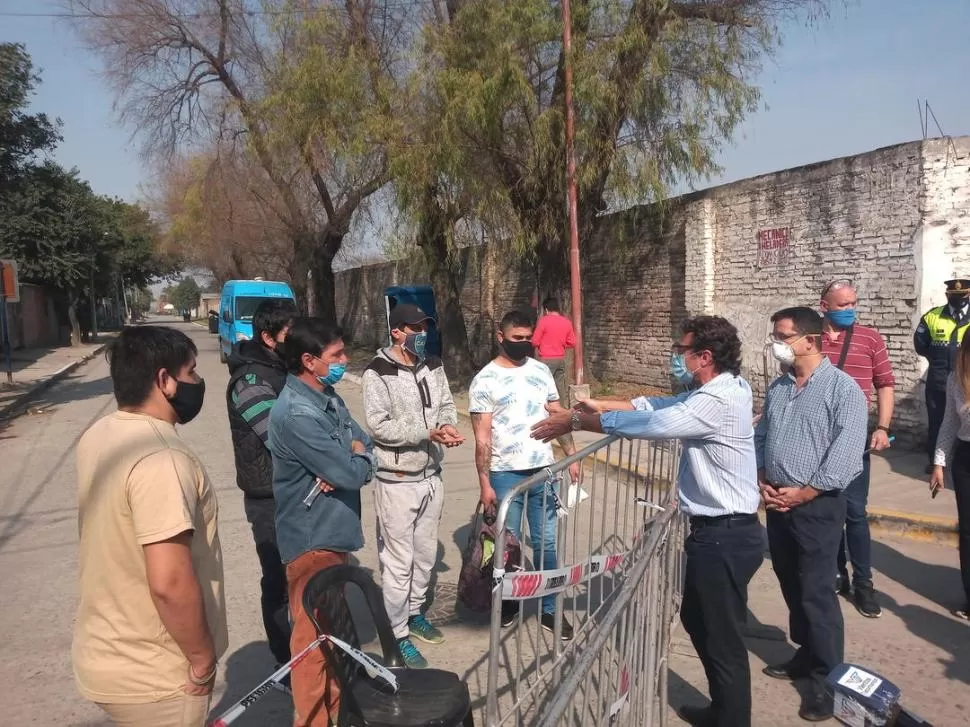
x,y
422,629
865,601
510,611
962,613
842,585
548,621
412,657
283,685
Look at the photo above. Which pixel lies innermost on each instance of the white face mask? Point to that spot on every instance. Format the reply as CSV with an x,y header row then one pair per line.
x,y
783,352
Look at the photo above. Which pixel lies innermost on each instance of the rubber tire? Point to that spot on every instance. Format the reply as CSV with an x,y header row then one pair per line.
x,y
222,354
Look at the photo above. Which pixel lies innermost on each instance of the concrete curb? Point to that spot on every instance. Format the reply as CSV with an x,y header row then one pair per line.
x,y
15,407
925,528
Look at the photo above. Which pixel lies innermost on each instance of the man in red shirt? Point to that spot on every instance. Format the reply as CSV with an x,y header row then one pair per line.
x,y
860,352
553,335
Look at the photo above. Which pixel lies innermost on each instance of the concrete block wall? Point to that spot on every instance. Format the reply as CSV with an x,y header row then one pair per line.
x,y
894,220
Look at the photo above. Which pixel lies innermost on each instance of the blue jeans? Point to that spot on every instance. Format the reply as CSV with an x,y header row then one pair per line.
x,y
542,520
857,529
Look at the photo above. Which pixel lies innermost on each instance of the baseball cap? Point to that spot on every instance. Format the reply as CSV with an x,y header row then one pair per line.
x,y
405,314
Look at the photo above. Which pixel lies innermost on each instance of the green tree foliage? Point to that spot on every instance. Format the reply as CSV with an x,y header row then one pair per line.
x,y
22,135
659,87
60,232
185,295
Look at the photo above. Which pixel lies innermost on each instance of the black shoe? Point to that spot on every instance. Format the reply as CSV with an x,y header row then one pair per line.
x,y
697,716
817,707
548,622
510,611
785,671
865,601
842,585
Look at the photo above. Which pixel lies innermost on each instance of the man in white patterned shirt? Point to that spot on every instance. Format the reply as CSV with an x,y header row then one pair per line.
x,y
717,488
508,396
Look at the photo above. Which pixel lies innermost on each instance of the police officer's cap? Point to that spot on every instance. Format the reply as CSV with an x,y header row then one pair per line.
x,y
958,286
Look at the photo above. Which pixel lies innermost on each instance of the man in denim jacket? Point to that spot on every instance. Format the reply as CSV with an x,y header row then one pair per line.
x,y
321,460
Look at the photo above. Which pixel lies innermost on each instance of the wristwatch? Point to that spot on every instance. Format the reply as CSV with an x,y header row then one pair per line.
x,y
576,423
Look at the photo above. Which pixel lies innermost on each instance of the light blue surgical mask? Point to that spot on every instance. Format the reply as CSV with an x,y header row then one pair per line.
x,y
841,318
679,370
417,344
335,373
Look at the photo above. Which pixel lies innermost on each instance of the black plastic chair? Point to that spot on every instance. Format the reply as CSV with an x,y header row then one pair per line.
x,y
425,697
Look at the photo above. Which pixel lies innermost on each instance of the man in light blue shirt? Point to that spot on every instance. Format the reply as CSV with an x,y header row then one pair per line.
x,y
717,489
810,442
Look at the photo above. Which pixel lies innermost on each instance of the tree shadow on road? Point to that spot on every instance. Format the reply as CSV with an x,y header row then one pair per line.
x,y
937,583
245,669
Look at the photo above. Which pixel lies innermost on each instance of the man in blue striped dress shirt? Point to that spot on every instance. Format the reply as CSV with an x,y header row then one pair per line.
x,y
809,442
717,489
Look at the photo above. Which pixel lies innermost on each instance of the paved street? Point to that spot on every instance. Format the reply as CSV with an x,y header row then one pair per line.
x,y
916,644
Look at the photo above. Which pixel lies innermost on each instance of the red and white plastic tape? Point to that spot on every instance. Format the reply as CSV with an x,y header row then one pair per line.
x,y
523,585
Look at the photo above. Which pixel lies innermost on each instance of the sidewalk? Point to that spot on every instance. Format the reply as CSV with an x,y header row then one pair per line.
x,y
35,369
899,499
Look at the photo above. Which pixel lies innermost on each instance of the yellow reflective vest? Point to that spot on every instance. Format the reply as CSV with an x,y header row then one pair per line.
x,y
937,338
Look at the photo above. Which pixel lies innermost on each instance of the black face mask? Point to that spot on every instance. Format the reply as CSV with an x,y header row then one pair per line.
x,y
188,399
518,350
957,301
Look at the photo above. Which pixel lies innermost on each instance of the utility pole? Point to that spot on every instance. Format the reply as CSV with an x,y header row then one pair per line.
x,y
573,199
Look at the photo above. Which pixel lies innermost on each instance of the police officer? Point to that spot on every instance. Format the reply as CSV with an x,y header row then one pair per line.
x,y
938,338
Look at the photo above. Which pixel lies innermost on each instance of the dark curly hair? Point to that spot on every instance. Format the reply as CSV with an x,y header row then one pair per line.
x,y
720,337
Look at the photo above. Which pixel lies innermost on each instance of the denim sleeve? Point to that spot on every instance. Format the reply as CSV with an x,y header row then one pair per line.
x,y
842,462
313,444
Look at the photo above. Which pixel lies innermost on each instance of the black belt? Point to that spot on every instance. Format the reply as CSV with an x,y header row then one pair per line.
x,y
722,521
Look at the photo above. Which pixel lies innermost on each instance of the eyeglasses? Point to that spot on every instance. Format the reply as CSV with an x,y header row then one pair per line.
x,y
679,348
838,283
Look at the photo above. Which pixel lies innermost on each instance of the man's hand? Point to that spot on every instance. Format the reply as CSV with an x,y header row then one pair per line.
x,y
325,487
936,481
576,472
488,498
769,496
358,447
879,441
446,435
557,424
789,497
196,690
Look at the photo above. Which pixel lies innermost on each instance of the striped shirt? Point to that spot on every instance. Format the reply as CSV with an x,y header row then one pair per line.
x,y
867,360
956,422
718,473
815,435
254,399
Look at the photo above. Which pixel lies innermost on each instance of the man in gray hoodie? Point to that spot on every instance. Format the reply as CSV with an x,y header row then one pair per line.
x,y
411,415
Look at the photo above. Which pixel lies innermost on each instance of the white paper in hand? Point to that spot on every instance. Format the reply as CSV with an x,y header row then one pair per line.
x,y
575,495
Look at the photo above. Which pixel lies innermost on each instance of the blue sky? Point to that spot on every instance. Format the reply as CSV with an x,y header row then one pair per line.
x,y
846,86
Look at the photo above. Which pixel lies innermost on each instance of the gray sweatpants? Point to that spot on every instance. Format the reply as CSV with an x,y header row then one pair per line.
x,y
407,544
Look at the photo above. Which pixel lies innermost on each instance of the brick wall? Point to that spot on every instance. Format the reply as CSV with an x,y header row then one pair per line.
x,y
895,220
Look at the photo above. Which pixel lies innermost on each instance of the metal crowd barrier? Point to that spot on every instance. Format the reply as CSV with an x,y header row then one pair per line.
x,y
618,583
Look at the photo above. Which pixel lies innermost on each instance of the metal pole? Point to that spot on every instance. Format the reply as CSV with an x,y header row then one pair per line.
x,y
574,279
6,329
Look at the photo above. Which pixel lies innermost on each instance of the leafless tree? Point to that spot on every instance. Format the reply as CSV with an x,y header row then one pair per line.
x,y
269,79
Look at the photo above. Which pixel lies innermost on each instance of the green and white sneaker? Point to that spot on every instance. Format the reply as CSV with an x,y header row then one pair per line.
x,y
412,657
422,629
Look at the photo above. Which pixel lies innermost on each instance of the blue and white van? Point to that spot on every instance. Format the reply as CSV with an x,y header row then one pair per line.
x,y
238,304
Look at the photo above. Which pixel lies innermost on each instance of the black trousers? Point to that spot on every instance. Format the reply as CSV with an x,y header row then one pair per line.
x,y
721,560
935,398
261,514
960,470
804,545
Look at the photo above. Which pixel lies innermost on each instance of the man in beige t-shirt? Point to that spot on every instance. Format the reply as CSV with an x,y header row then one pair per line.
x,y
151,623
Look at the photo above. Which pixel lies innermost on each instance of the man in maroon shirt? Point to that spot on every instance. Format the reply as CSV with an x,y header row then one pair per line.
x,y
860,352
